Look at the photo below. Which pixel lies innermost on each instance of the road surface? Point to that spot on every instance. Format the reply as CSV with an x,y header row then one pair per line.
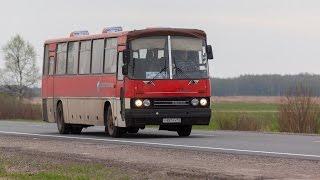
x,y
242,143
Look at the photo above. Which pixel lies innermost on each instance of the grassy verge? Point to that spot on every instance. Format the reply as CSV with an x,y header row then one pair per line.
x,y
243,116
13,169
13,108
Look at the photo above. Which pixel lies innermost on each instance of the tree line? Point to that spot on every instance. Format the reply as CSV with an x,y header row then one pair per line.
x,y
264,85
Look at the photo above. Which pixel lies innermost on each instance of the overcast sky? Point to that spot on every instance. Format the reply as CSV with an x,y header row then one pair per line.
x,y
249,36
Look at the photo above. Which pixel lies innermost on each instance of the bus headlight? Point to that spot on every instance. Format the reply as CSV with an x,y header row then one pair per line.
x,y
138,103
146,102
194,102
203,102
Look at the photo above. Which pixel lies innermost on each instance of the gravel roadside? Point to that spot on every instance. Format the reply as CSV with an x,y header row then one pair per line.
x,y
160,163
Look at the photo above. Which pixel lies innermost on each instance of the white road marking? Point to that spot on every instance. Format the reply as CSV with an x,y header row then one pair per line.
x,y
208,135
165,145
317,141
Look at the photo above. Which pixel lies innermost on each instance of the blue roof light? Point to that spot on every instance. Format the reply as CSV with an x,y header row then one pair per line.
x,y
79,33
112,29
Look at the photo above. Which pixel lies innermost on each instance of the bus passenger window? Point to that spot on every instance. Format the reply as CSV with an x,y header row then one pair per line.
x,y
73,49
85,56
97,56
51,65
61,58
46,60
120,64
110,62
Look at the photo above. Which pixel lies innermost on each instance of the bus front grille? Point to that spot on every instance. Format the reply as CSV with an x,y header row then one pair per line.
x,y
171,103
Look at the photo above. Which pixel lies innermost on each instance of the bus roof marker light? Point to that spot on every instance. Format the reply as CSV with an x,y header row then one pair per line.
x,y
79,33
112,29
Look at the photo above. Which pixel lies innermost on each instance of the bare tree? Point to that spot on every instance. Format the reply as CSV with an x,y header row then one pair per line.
x,y
20,70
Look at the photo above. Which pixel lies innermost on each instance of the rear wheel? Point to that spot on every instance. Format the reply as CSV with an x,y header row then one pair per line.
x,y
111,129
63,128
184,131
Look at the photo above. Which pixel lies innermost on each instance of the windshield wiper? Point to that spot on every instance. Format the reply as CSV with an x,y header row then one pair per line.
x,y
162,70
151,81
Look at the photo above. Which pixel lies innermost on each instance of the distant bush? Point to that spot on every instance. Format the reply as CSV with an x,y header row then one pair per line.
x,y
12,108
299,112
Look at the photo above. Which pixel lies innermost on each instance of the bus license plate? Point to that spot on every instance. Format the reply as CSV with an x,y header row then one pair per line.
x,y
171,120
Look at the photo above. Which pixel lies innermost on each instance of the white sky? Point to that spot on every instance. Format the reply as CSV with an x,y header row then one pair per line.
x,y
249,36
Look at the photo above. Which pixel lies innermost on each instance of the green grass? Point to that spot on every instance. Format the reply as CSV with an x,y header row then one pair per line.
x,y
68,171
243,116
236,116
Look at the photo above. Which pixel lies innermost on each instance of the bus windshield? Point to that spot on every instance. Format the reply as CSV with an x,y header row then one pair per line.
x,y
164,57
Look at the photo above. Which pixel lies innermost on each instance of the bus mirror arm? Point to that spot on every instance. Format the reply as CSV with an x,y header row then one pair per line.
x,y
125,69
126,56
209,52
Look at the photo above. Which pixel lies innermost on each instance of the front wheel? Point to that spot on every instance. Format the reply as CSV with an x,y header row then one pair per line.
x,y
111,129
184,131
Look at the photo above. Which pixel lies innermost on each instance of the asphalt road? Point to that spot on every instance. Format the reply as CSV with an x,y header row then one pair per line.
x,y
248,143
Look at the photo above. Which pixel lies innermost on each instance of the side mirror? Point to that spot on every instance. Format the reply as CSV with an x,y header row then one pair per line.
x,y
209,52
125,69
126,56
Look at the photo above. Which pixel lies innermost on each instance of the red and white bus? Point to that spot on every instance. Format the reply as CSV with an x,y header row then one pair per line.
x,y
125,80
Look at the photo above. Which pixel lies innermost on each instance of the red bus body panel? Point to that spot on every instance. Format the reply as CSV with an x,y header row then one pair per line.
x,y
167,88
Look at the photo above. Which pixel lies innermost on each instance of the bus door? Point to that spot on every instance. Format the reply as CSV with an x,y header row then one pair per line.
x,y
50,83
119,103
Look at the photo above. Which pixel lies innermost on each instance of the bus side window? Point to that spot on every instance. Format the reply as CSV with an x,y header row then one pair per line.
x,y
73,53
61,58
85,57
46,60
51,65
120,64
97,56
110,62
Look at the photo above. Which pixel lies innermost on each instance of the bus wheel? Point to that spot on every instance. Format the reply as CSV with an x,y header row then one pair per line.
x,y
133,130
184,131
112,130
62,126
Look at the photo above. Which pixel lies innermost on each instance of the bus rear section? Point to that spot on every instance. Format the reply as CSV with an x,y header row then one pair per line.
x,y
159,77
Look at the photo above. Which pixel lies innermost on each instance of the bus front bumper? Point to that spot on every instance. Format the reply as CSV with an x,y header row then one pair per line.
x,y
190,116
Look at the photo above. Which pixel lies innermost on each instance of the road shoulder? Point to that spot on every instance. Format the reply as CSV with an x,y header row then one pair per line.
x,y
151,162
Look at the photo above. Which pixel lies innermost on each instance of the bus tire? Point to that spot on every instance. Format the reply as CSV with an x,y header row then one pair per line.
x,y
63,128
184,131
111,129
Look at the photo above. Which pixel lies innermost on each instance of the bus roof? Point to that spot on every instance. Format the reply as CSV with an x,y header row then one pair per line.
x,y
166,31
136,34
